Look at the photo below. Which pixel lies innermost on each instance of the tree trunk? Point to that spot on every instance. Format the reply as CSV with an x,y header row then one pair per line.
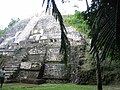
x,y
98,73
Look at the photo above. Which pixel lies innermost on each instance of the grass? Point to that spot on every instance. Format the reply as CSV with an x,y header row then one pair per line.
x,y
20,86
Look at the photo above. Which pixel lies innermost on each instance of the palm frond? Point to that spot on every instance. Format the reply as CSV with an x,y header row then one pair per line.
x,y
105,29
65,44
43,2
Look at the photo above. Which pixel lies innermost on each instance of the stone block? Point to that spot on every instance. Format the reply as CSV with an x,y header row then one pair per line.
x,y
30,66
25,65
35,66
55,71
26,74
33,81
37,58
36,50
54,55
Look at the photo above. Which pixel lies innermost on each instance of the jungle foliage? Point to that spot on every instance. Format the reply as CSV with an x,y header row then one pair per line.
x,y
104,19
77,21
10,25
2,32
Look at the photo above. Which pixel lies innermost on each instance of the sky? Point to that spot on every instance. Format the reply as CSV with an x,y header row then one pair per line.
x,y
26,8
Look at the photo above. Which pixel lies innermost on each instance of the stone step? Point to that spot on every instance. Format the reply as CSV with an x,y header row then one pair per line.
x,y
6,77
13,62
9,72
6,74
10,80
11,69
11,66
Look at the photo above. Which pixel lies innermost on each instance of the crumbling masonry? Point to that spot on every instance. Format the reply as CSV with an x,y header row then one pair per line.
x,y
30,52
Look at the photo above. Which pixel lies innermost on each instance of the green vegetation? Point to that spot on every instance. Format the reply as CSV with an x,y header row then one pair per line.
x,y
19,86
78,22
110,72
13,22
47,87
10,25
2,32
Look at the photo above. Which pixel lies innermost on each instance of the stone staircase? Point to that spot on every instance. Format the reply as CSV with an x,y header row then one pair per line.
x,y
11,71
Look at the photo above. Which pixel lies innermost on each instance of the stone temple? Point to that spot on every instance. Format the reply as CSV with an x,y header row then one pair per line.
x,y
29,52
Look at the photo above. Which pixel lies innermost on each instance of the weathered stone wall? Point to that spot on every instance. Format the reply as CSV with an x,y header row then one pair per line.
x,y
30,72
54,68
48,55
55,71
77,59
42,45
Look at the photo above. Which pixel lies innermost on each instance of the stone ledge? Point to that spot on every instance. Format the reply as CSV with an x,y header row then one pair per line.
x,y
33,81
